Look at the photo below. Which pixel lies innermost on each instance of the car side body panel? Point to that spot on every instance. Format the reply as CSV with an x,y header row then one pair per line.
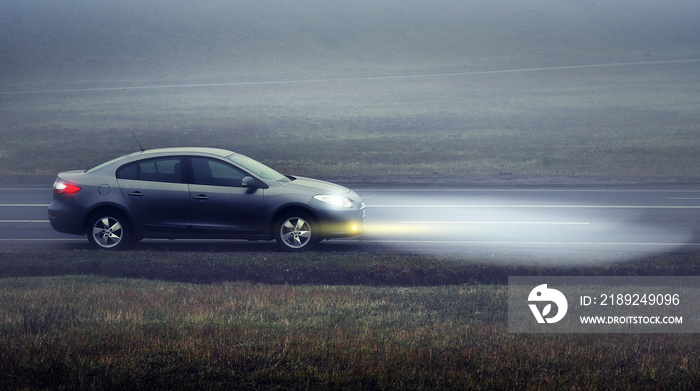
x,y
172,205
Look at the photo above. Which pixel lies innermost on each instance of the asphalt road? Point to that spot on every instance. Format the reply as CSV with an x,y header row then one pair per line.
x,y
619,221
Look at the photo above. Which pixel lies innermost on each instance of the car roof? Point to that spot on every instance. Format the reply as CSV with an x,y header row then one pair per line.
x,y
131,157
184,150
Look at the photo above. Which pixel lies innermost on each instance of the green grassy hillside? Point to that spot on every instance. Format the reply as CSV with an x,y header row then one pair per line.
x,y
86,41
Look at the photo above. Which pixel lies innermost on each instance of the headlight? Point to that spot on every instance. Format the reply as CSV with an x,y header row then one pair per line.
x,y
338,201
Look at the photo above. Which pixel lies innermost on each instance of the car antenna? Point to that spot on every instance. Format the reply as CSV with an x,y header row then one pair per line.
x,y
137,141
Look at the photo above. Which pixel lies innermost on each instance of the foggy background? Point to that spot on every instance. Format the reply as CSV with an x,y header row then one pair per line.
x,y
376,91
50,43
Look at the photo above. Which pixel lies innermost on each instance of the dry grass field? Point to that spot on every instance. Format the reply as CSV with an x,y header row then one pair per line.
x,y
145,320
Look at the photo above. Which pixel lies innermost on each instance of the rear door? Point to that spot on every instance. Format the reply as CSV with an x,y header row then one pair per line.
x,y
220,204
157,193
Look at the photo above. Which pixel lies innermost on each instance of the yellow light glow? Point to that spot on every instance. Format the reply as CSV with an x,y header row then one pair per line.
x,y
402,229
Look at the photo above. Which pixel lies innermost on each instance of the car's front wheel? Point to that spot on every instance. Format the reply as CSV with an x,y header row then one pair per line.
x,y
109,231
296,232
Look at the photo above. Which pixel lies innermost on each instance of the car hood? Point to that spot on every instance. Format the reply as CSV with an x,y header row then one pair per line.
x,y
315,185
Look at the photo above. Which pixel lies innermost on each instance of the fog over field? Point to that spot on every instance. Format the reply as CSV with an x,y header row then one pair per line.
x,y
351,88
58,43
488,138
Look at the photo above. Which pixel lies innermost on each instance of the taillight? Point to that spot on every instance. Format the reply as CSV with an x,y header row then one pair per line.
x,y
60,187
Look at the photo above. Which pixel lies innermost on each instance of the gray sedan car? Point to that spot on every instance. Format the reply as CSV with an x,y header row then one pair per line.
x,y
203,193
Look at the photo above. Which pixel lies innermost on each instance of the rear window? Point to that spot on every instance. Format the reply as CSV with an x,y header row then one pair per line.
x,y
155,170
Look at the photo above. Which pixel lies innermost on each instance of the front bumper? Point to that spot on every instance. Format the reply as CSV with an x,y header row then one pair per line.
x,y
337,224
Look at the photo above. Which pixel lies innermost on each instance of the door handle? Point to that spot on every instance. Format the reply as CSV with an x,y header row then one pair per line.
x,y
136,194
201,197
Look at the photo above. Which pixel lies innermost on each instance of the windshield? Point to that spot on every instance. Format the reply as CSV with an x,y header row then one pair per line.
x,y
256,167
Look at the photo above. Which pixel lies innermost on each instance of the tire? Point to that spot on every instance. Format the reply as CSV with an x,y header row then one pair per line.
x,y
109,230
296,232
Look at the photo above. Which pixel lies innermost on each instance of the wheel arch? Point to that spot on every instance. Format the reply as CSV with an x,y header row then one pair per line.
x,y
290,209
296,239
102,208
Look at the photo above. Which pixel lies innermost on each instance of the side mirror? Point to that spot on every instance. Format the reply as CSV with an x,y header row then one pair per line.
x,y
249,182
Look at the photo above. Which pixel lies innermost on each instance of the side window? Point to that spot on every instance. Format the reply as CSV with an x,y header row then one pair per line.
x,y
168,169
129,171
215,173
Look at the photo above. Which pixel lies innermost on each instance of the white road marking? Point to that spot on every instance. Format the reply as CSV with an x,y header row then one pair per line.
x,y
517,243
539,206
25,205
47,189
410,190
42,240
363,78
24,221
497,222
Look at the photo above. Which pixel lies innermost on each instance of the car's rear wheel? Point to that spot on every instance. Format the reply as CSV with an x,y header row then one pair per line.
x,y
296,232
109,231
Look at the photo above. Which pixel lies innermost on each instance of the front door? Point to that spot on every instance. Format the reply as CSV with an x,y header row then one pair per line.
x,y
220,204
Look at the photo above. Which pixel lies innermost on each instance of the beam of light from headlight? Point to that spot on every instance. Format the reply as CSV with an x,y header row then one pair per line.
x,y
496,222
384,229
439,229
544,224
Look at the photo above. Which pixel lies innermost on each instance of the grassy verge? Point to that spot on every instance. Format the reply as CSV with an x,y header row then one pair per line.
x,y
144,320
368,269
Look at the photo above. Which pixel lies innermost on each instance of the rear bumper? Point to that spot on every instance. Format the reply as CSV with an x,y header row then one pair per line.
x,y
66,218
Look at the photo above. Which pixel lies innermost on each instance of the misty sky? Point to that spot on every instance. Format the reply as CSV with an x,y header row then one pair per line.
x,y
82,41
